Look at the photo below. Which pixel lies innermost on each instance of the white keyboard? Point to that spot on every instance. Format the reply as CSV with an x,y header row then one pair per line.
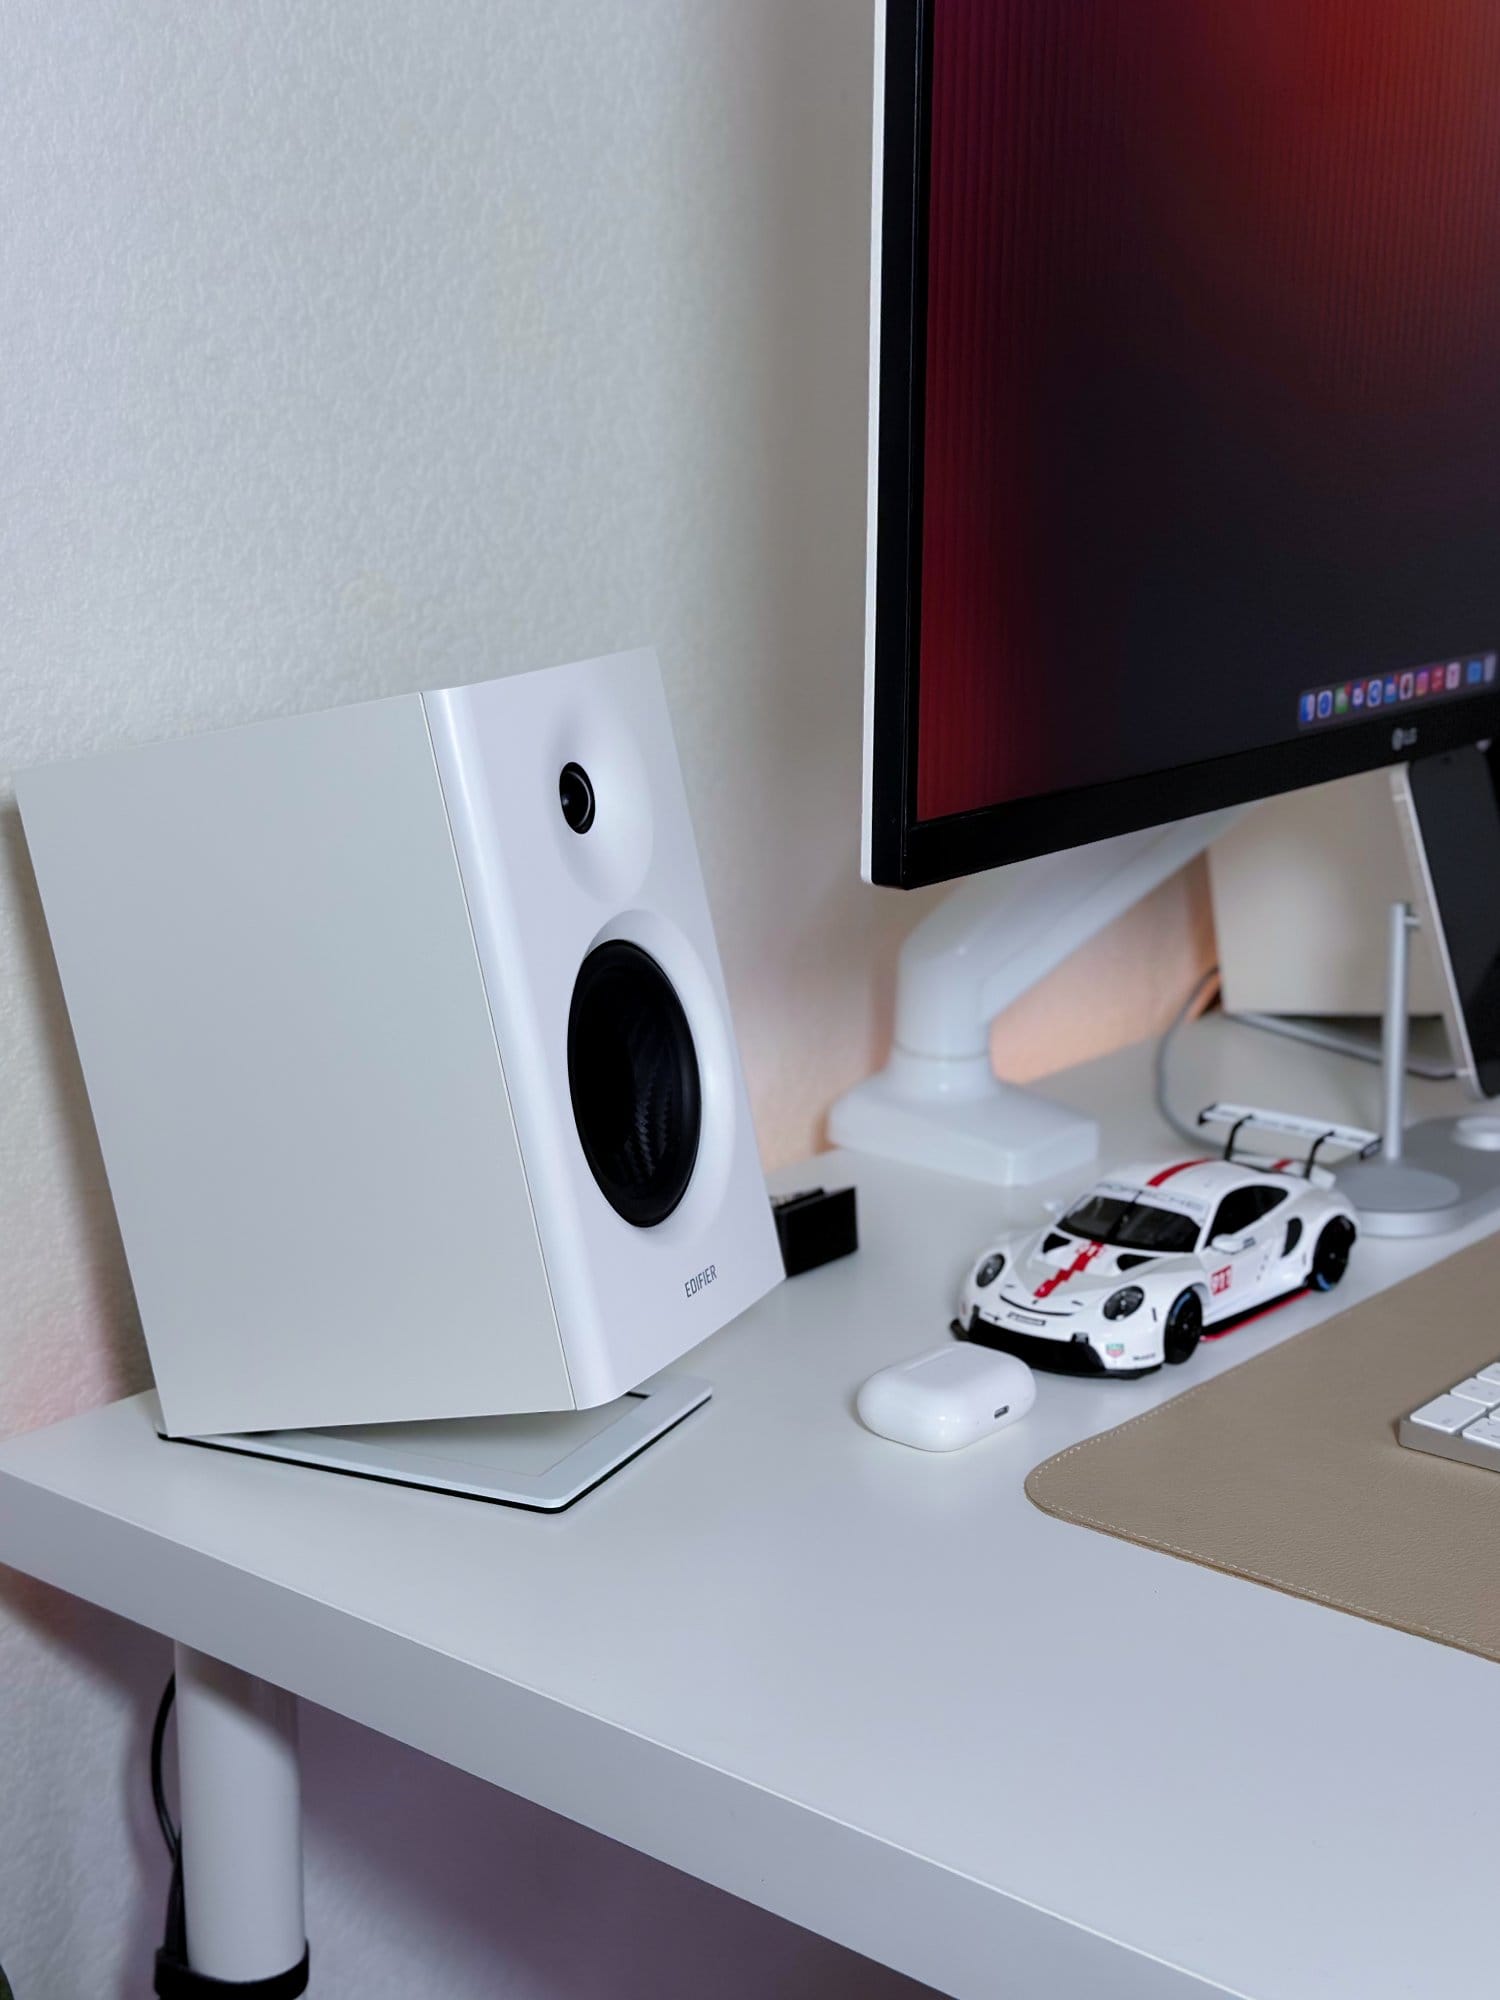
x,y
1464,1424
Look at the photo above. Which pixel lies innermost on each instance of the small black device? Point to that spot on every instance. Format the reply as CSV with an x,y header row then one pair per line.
x,y
1450,820
815,1227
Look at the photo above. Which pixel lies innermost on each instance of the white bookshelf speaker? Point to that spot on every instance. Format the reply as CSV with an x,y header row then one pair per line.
x,y
409,1053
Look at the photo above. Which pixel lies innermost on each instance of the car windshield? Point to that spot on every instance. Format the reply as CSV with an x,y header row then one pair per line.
x,y
1132,1225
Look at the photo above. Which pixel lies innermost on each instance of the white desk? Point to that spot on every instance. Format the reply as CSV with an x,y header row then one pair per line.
x,y
872,1690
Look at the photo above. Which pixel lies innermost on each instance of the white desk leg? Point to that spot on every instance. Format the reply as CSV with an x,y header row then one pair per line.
x,y
241,1820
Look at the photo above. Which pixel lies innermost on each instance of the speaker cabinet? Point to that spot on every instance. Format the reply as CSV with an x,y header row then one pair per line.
x,y
409,1052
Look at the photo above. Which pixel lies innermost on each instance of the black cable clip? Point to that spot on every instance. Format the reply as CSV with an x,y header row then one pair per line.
x,y
176,1980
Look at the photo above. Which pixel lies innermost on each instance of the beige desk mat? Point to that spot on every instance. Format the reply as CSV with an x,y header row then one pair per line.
x,y
1287,1470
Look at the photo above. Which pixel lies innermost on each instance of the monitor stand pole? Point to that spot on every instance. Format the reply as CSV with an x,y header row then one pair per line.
x,y
1395,1196
938,1103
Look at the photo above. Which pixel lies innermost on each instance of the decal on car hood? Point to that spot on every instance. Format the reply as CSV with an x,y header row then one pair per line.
x,y
1076,1269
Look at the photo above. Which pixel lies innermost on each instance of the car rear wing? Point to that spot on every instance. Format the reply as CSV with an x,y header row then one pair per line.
x,y
1354,1139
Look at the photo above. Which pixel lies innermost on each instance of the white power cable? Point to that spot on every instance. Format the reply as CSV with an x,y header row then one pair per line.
x,y
1180,1126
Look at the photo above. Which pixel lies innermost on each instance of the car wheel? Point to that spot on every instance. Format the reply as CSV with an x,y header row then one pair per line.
x,y
1184,1327
1330,1259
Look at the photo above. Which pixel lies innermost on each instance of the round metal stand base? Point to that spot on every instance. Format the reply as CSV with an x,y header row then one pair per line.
x,y
1437,1185
1394,1199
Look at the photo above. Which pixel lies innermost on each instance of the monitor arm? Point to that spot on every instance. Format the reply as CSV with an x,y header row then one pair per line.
x,y
938,1103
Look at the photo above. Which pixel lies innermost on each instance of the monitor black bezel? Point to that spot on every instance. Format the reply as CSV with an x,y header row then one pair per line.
x,y
905,851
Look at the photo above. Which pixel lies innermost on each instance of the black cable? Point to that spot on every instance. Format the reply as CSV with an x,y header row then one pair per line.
x,y
164,1818
174,1940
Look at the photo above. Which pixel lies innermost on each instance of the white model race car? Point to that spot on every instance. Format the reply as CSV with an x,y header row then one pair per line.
x,y
1146,1261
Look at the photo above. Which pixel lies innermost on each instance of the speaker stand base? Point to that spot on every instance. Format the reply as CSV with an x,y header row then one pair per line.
x,y
541,1462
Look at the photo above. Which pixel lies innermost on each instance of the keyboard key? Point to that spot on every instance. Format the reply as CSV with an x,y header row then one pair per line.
x,y
1445,1413
1476,1390
1487,1433
1490,1374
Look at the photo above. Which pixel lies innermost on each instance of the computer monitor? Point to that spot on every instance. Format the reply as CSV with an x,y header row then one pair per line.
x,y
1185,467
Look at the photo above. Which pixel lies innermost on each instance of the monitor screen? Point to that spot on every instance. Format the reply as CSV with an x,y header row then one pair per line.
x,y
1189,424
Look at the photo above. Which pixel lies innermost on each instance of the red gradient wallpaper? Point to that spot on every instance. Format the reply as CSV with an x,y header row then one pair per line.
x,y
1212,404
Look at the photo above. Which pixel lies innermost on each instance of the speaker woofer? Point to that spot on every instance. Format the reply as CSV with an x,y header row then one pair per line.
x,y
633,1076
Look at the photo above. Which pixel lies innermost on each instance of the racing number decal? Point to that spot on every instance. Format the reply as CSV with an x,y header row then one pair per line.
x,y
1220,1279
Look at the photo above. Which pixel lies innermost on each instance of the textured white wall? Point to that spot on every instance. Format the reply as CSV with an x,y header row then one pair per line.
x,y
355,348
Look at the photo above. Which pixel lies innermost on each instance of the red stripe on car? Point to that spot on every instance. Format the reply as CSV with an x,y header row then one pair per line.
x,y
1249,1318
1076,1269
1180,1168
